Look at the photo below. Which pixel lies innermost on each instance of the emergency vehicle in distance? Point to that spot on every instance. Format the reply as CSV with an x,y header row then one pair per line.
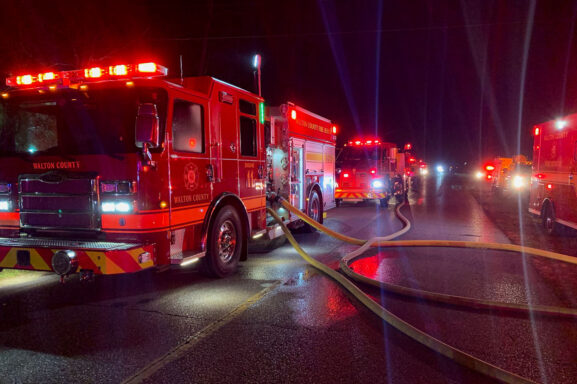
x,y
507,174
111,170
552,193
369,170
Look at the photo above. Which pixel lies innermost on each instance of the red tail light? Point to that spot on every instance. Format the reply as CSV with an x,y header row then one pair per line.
x,y
345,175
373,171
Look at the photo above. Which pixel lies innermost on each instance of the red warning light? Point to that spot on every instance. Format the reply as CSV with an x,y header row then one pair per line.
x,y
93,73
118,70
537,131
373,171
408,147
489,167
346,175
192,143
147,67
334,129
293,114
549,186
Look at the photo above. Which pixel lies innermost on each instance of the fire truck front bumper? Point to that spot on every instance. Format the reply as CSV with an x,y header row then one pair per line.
x,y
360,194
65,257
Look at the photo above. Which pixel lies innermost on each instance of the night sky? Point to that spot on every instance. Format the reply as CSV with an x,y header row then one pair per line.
x,y
460,80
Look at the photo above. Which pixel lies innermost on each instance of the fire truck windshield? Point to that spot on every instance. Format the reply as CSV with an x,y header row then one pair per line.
x,y
71,122
353,154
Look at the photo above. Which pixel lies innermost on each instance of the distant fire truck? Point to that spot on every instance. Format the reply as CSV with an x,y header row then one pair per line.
x,y
112,170
552,191
369,170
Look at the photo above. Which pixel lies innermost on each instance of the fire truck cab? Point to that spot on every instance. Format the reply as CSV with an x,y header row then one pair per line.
x,y
111,170
553,194
369,170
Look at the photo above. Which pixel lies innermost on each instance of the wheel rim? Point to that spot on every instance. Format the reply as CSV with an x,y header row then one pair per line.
x,y
227,238
315,208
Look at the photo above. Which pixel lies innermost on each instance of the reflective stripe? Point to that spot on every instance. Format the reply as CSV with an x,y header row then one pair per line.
x,y
101,262
136,221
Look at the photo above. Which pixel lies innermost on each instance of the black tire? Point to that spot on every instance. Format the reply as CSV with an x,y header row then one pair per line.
x,y
338,202
550,226
225,241
314,210
384,202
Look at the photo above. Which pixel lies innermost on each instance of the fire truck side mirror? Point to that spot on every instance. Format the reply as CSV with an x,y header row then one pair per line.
x,y
147,126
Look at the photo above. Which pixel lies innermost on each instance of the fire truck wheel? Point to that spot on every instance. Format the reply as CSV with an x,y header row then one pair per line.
x,y
338,202
224,243
384,202
549,223
314,210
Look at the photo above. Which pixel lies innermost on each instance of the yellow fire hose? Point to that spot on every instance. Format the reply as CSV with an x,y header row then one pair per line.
x,y
453,353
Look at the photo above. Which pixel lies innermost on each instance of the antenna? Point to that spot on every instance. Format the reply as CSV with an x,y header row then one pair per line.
x,y
256,64
181,76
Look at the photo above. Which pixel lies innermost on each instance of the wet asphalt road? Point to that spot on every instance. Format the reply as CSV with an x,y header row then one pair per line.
x,y
278,320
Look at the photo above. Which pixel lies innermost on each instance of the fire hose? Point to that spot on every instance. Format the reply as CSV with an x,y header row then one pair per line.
x,y
436,345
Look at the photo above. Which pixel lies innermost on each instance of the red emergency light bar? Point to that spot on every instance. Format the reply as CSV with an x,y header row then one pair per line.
x,y
65,78
359,143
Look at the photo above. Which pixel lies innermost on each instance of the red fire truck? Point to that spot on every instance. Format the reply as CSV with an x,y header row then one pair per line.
x,y
300,164
111,170
370,169
552,191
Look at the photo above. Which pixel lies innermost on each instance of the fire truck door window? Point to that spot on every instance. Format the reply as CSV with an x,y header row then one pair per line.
x,y
187,127
248,138
247,107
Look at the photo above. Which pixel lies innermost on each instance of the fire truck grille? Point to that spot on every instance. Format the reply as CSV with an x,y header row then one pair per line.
x,y
59,201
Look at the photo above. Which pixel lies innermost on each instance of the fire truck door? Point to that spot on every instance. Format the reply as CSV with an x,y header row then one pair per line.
x,y
224,145
297,176
329,176
251,156
189,182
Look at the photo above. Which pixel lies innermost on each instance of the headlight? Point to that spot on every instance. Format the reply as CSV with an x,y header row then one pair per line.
x,y
4,205
519,182
120,206
377,184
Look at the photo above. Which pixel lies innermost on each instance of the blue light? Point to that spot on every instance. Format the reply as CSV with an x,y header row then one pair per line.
x,y
32,149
